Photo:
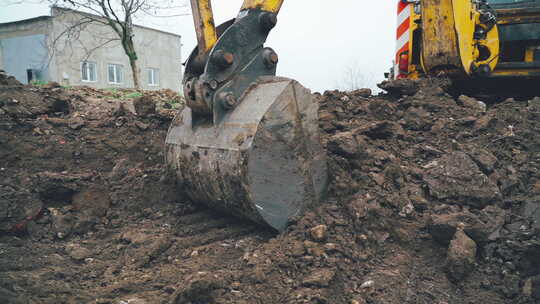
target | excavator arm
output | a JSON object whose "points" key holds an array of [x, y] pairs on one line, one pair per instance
{"points": [[205, 28], [247, 142], [272, 6], [204, 19]]}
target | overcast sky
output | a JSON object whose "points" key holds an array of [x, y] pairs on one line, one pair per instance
{"points": [[317, 41]]}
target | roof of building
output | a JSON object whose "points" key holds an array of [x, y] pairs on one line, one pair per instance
{"points": [[40, 18], [29, 20]]}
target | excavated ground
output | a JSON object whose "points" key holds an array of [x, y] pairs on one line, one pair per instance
{"points": [[433, 199]]}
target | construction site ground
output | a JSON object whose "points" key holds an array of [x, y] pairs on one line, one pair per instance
{"points": [[434, 197]]}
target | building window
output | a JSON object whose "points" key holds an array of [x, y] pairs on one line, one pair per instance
{"points": [[33, 75], [153, 77], [88, 71], [115, 72]]}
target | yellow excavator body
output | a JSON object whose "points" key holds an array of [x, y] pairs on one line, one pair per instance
{"points": [[439, 40], [463, 39]]}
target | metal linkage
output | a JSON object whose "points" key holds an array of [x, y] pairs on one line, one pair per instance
{"points": [[214, 84]]}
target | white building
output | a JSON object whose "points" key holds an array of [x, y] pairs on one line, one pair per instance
{"points": [[43, 48]]}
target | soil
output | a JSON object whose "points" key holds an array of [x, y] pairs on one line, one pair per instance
{"points": [[434, 198]]}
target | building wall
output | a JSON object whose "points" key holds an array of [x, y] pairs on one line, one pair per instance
{"points": [[23, 46], [94, 43]]}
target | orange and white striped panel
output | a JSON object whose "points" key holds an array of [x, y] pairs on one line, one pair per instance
{"points": [[403, 33]]}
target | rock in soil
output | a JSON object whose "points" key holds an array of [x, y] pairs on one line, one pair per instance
{"points": [[461, 256], [455, 178], [400, 87], [319, 278], [318, 233], [482, 225], [92, 201], [361, 92], [197, 291], [78, 253], [531, 287], [17, 207], [472, 103]]}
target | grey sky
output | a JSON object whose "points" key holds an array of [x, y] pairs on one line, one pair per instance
{"points": [[316, 40]]}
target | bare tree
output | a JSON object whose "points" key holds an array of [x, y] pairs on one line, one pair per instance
{"points": [[356, 77], [117, 15]]}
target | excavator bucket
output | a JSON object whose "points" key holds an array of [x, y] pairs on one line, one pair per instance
{"points": [[262, 161], [247, 142]]}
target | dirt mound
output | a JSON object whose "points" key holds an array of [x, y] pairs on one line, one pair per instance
{"points": [[433, 199], [7, 80]]}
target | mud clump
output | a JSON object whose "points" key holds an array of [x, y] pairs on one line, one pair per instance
{"points": [[144, 105], [416, 178]]}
